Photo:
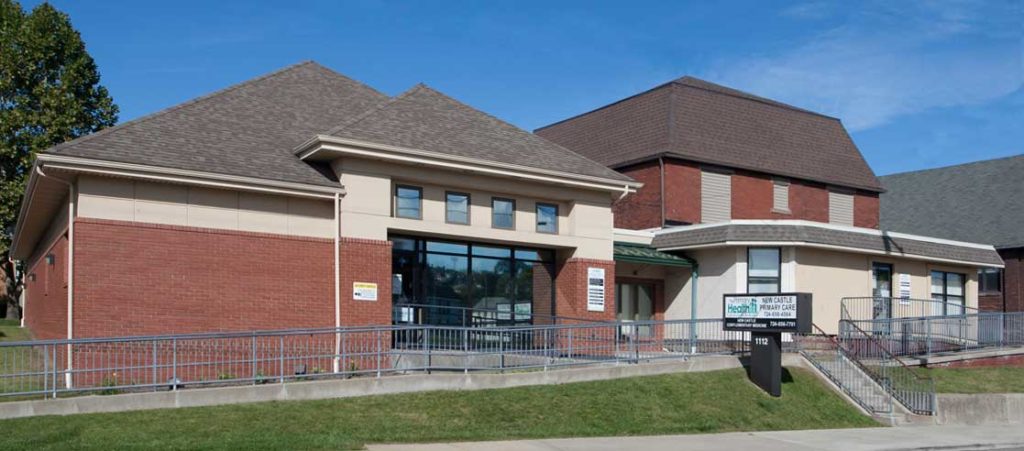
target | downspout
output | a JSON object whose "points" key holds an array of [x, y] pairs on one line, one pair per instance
{"points": [[661, 197], [693, 308], [337, 282], [71, 269]]}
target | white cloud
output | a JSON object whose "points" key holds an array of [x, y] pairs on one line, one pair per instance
{"points": [[886, 61]]}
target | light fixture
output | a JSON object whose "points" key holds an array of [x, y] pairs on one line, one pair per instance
{"points": [[50, 258]]}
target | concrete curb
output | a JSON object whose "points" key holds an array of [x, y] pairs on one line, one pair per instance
{"points": [[344, 388], [981, 409]]}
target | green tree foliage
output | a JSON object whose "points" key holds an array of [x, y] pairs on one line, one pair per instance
{"points": [[49, 93]]}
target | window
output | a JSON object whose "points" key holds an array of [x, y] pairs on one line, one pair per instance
{"points": [[456, 208], [503, 213], [547, 218], [434, 282], [715, 196], [408, 202], [763, 270], [948, 292], [840, 207], [780, 196], [990, 280]]}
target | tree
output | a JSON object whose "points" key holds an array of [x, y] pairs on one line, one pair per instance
{"points": [[49, 93]]}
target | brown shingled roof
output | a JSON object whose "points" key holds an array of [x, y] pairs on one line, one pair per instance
{"points": [[425, 119], [700, 121]]}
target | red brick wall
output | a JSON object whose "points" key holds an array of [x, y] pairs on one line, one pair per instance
{"points": [[641, 210], [46, 298], [865, 210], [571, 289], [142, 279], [1013, 279], [752, 198], [682, 191], [365, 261], [807, 201]]}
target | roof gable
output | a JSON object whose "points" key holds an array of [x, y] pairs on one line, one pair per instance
{"points": [[704, 122], [981, 202], [425, 119], [248, 129]]}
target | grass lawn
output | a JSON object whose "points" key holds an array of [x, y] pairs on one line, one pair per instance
{"points": [[1005, 379], [716, 401], [9, 331]]}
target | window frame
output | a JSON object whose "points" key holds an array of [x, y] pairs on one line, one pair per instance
{"points": [[983, 288], [536, 211], [504, 199], [777, 278], [419, 208], [469, 205], [945, 290]]}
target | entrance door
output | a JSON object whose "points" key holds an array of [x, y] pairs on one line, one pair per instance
{"points": [[881, 305], [634, 302]]}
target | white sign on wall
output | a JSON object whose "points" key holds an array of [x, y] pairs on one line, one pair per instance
{"points": [[595, 289], [904, 289], [364, 291]]}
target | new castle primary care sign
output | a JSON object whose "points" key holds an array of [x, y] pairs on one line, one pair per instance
{"points": [[766, 317], [784, 312]]}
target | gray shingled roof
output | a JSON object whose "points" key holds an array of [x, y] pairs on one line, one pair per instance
{"points": [[729, 232], [425, 119], [248, 129], [981, 202], [700, 121]]}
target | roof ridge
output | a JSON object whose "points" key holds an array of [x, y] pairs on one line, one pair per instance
{"points": [[739, 94], [426, 88], [958, 165], [509, 124], [380, 106], [191, 102]]}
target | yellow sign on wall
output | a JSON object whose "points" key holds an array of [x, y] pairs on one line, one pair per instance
{"points": [[364, 291]]}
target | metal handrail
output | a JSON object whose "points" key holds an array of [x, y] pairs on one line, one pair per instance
{"points": [[887, 383], [905, 307]]}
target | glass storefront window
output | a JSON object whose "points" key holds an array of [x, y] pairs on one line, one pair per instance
{"points": [[454, 283]]}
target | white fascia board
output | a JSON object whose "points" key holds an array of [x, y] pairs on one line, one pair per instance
{"points": [[821, 225], [855, 250], [30, 189], [188, 177], [341, 146]]}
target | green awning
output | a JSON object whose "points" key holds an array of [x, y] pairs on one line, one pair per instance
{"points": [[639, 253]]}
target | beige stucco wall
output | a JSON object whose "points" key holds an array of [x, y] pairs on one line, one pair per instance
{"points": [[585, 218], [164, 203], [832, 275], [829, 275]]}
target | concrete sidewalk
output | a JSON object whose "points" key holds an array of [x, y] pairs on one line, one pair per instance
{"points": [[1003, 437]]}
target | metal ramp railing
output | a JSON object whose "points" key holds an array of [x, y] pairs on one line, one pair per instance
{"points": [[865, 369]]}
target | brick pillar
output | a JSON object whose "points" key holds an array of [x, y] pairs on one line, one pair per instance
{"points": [[365, 261], [571, 284]]}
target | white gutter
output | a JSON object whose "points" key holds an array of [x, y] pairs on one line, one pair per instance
{"points": [[326, 143], [71, 269], [854, 250], [337, 282], [186, 176]]}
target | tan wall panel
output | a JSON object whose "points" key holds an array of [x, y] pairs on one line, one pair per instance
{"points": [[262, 213], [212, 208], [106, 198], [161, 203], [366, 208]]}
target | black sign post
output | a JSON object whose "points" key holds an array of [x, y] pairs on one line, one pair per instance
{"points": [[766, 317]]}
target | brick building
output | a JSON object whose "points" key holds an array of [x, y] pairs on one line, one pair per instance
{"points": [[981, 202], [306, 199], [763, 197]]}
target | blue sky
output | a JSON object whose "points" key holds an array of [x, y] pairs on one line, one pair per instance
{"points": [[918, 84]]}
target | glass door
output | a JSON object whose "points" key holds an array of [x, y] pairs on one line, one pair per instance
{"points": [[881, 290], [634, 302]]}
